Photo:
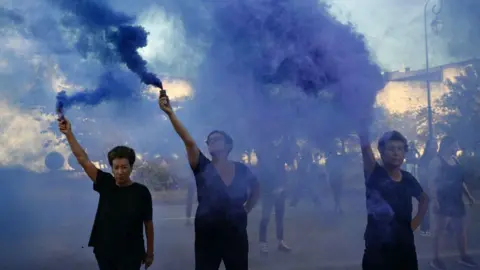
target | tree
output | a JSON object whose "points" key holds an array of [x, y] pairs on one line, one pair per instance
{"points": [[461, 109]]}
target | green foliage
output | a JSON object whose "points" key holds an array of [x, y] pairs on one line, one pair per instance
{"points": [[461, 119], [160, 175], [461, 109]]}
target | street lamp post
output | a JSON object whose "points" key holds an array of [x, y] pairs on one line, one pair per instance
{"points": [[436, 23]]}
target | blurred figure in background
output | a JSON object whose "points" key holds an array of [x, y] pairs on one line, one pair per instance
{"points": [[306, 182], [334, 166], [447, 187], [429, 153], [411, 159], [273, 182]]}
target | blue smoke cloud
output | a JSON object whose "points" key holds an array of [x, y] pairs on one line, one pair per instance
{"points": [[284, 42], [113, 85], [117, 39], [284, 67], [277, 62]]}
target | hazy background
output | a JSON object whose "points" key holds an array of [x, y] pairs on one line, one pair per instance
{"points": [[215, 81]]}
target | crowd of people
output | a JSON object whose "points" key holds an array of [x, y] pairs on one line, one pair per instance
{"points": [[227, 191]]}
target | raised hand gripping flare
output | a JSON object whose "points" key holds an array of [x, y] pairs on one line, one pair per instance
{"points": [[163, 93], [59, 110]]}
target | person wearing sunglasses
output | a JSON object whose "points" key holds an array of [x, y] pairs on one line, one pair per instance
{"points": [[226, 192]]}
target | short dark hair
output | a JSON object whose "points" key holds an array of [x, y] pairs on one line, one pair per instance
{"points": [[121, 152], [228, 139], [446, 142], [391, 136]]}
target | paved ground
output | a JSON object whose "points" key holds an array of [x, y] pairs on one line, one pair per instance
{"points": [[47, 227]]}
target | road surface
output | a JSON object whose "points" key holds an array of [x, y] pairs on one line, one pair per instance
{"points": [[47, 227]]}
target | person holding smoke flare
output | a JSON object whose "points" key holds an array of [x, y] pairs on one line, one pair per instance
{"points": [[447, 187], [389, 238], [124, 208], [226, 191]]}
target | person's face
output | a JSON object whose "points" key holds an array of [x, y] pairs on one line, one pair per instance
{"points": [[121, 170], [216, 143], [394, 153]]}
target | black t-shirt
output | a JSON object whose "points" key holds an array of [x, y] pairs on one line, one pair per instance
{"points": [[389, 207], [121, 212], [219, 204]]}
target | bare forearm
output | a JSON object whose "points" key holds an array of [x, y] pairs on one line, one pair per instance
{"points": [[367, 153], [253, 198], [180, 129], [421, 212], [422, 207], [150, 236], [77, 149]]}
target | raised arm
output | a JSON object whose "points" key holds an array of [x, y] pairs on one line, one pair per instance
{"points": [[369, 161], [193, 152], [90, 169]]}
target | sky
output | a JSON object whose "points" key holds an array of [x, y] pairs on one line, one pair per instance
{"points": [[39, 59]]}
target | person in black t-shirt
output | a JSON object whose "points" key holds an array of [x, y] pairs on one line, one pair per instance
{"points": [[226, 192], [389, 239], [124, 208]]}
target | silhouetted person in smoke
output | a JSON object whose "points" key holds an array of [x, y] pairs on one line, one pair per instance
{"points": [[429, 153], [305, 184], [273, 186], [334, 165], [447, 187], [226, 191], [124, 208], [389, 238]]}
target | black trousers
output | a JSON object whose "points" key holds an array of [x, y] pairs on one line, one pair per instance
{"points": [[390, 257], [221, 243], [112, 262], [269, 202]]}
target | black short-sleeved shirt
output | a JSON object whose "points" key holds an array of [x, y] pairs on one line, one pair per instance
{"points": [[121, 212], [218, 203], [389, 207]]}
